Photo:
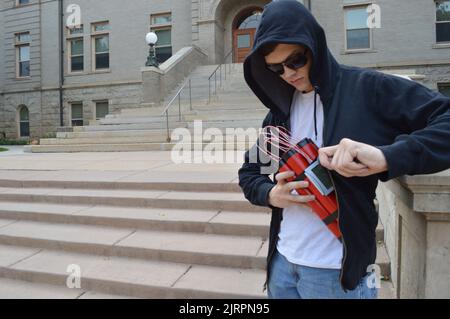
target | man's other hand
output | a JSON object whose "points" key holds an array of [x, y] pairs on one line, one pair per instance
{"points": [[350, 158], [281, 194]]}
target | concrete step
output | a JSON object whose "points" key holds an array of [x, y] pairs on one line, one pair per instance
{"points": [[178, 247], [137, 126], [193, 248], [142, 278], [383, 261], [162, 219], [131, 198], [201, 221], [240, 148], [246, 123], [149, 118], [229, 107], [19, 289], [148, 111], [161, 138], [90, 180], [38, 287], [387, 290], [220, 115], [112, 134], [136, 120], [158, 137]]}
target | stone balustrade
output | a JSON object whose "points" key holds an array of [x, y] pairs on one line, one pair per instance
{"points": [[415, 212]]}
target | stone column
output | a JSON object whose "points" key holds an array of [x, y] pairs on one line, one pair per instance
{"points": [[415, 211]]}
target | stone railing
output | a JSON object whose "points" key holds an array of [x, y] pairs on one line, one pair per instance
{"points": [[415, 212], [157, 83]]}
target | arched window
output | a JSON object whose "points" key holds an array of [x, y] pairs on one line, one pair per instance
{"points": [[251, 21], [24, 121]]}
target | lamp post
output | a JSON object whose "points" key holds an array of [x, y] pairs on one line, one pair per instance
{"points": [[151, 38]]}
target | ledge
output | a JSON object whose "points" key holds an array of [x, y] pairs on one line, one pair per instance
{"points": [[431, 194], [441, 46], [356, 51]]}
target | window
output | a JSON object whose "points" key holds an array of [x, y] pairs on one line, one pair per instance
{"points": [[251, 22], [75, 50], [101, 109], [22, 2], [442, 21], [23, 54], [100, 44], [24, 121], [358, 35], [161, 18], [77, 114], [161, 25], [444, 88]]}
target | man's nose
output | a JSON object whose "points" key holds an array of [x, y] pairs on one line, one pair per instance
{"points": [[288, 72]]}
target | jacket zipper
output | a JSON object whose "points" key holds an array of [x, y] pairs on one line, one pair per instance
{"points": [[339, 212], [342, 235], [285, 125]]}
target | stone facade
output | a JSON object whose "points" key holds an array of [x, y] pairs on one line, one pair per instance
{"points": [[415, 212], [404, 43]]}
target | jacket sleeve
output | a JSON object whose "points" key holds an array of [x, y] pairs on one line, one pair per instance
{"points": [[256, 185], [422, 117]]}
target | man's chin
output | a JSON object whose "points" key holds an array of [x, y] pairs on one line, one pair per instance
{"points": [[302, 88]]}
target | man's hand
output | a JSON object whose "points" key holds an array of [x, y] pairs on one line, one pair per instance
{"points": [[280, 195], [350, 158]]}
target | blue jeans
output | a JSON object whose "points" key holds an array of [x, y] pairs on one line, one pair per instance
{"points": [[291, 281]]}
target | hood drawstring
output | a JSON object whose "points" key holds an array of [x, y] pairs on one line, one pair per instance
{"points": [[316, 89]]}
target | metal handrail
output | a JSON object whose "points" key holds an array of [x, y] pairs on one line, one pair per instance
{"points": [[219, 67], [178, 94], [166, 109]]}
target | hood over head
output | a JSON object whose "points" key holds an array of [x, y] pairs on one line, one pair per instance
{"points": [[288, 21]]}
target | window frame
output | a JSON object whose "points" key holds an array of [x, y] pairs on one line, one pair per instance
{"points": [[436, 22], [94, 36], [20, 121], [71, 37], [441, 85], [80, 103], [18, 4], [153, 15], [354, 6], [18, 45], [161, 27], [95, 111]]}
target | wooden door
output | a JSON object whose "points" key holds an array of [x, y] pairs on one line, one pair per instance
{"points": [[243, 43]]}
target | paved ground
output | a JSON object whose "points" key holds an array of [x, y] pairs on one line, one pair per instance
{"points": [[148, 166], [12, 150]]}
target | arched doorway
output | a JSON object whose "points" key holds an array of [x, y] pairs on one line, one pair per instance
{"points": [[24, 121], [244, 28]]}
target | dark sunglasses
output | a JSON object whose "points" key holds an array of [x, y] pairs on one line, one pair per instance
{"points": [[295, 61]]}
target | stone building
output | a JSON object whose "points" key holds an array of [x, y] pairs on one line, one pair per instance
{"points": [[52, 75]]}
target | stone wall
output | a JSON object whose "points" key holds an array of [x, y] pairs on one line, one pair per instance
{"points": [[415, 212], [157, 83], [44, 111]]}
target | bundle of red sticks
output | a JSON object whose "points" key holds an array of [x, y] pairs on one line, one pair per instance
{"points": [[302, 159]]}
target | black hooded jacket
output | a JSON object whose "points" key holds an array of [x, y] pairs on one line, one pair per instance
{"points": [[407, 121]]}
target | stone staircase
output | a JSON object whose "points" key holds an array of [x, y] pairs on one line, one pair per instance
{"points": [[175, 232], [144, 128], [133, 238]]}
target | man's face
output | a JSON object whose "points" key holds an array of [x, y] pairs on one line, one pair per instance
{"points": [[298, 78]]}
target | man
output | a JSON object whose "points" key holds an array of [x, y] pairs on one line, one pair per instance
{"points": [[371, 127]]}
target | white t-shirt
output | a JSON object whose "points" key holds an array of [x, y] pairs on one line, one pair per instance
{"points": [[304, 239]]}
